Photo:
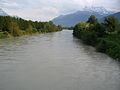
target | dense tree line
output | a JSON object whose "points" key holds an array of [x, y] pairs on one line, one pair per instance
{"points": [[15, 26], [104, 36]]}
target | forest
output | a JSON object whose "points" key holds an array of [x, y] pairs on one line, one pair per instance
{"points": [[15, 26], [104, 36]]}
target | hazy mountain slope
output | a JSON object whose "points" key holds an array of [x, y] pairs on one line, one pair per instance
{"points": [[3, 13], [117, 15], [79, 16]]}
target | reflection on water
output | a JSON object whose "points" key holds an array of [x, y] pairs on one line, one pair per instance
{"points": [[55, 61]]}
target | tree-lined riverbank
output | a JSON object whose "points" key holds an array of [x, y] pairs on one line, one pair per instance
{"points": [[15, 26], [104, 36]]}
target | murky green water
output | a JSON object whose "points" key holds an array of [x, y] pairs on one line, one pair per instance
{"points": [[55, 61]]}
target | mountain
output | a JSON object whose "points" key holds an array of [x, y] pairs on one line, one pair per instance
{"points": [[100, 10], [3, 13], [79, 16], [117, 15]]}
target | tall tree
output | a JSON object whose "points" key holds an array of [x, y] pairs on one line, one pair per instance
{"points": [[111, 23], [14, 29], [92, 19]]}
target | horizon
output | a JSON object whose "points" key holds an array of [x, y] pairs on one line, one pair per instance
{"points": [[43, 11]]}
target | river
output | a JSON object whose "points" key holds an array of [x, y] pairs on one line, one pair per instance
{"points": [[55, 61]]}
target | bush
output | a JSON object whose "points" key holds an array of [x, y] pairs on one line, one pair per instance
{"points": [[15, 26], [104, 36], [89, 37], [112, 48]]}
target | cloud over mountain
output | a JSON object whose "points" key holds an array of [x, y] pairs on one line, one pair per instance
{"points": [[48, 9]]}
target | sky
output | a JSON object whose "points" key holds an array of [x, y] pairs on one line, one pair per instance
{"points": [[45, 10]]}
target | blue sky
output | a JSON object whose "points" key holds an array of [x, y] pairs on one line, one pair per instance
{"points": [[44, 10]]}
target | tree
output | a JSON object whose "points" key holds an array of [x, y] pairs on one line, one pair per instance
{"points": [[99, 29], [29, 30], [14, 29], [16, 26], [92, 19], [111, 23]]}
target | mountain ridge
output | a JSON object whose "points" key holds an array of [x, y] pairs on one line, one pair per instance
{"points": [[117, 15], [80, 16], [3, 13]]}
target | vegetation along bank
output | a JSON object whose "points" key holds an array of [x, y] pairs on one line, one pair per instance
{"points": [[15, 26], [105, 36]]}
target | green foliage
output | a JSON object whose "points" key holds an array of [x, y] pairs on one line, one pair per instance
{"points": [[89, 37], [2, 35], [84, 31], [17, 26], [80, 27], [104, 36], [29, 30], [110, 23], [110, 47], [92, 19], [14, 29]]}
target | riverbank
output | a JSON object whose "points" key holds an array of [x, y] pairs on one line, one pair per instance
{"points": [[9, 35], [103, 36], [14, 26]]}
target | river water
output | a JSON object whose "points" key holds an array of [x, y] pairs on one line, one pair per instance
{"points": [[55, 61]]}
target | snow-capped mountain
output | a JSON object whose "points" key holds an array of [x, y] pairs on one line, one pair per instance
{"points": [[3, 13], [100, 10], [81, 16]]}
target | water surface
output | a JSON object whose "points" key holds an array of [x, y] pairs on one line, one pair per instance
{"points": [[55, 61]]}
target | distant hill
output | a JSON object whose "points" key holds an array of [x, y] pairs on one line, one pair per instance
{"points": [[79, 16], [3, 13], [117, 15]]}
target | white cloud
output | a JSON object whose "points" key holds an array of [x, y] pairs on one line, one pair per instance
{"points": [[48, 9]]}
